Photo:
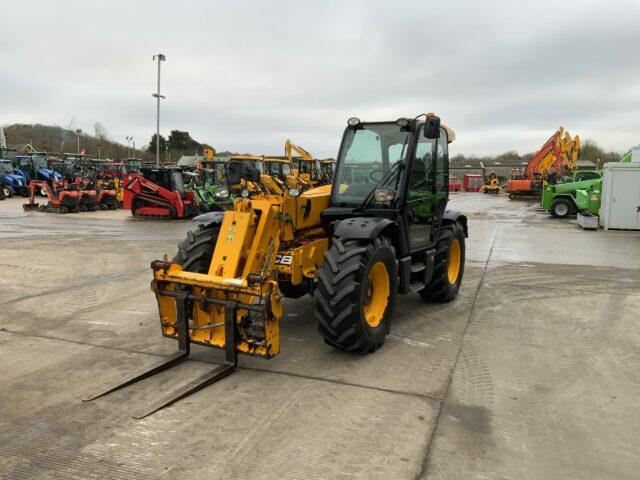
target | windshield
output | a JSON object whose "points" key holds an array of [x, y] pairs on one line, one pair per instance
{"points": [[6, 168], [367, 157], [259, 164], [278, 169], [40, 161]]}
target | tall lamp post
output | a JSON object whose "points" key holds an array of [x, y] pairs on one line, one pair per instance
{"points": [[99, 152], [78, 132], [134, 147], [128, 146], [161, 58]]}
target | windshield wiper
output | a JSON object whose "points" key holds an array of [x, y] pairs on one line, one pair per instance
{"points": [[382, 181]]}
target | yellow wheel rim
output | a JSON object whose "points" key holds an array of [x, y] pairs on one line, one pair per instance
{"points": [[377, 294], [454, 261]]}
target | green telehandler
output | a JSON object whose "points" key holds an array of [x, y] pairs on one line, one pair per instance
{"points": [[580, 195]]}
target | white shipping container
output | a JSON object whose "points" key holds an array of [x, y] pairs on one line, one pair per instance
{"points": [[620, 207]]}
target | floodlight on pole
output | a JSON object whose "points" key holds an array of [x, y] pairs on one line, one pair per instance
{"points": [[78, 132], [158, 96]]}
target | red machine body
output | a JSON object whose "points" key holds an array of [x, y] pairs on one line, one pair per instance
{"points": [[159, 193]]}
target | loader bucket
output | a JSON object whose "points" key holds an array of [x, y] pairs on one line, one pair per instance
{"points": [[30, 207]]}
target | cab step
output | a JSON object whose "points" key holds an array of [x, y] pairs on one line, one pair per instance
{"points": [[418, 267], [416, 286]]}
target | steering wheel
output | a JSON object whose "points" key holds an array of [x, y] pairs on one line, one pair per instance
{"points": [[374, 173]]}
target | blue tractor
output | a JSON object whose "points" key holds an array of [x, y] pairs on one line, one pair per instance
{"points": [[12, 181], [35, 167]]}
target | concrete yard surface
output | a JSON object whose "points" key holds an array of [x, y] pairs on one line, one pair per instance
{"points": [[533, 372]]}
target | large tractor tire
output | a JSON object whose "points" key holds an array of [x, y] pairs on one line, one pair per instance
{"points": [[561, 208], [356, 293], [449, 265], [195, 251]]}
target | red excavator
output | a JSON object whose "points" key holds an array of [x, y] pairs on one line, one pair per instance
{"points": [[159, 192], [557, 157], [62, 199]]}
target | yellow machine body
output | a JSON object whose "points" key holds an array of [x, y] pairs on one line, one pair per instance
{"points": [[263, 240]]}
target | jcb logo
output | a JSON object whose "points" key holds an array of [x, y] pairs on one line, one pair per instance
{"points": [[284, 259], [231, 235]]}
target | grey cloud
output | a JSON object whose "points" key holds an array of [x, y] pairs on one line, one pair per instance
{"points": [[246, 75]]}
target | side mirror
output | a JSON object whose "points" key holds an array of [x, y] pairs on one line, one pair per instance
{"points": [[432, 128]]}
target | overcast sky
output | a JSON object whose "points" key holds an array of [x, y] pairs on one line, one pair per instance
{"points": [[246, 75]]}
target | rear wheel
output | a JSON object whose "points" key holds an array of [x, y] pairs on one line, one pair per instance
{"points": [[356, 293], [560, 208], [449, 265]]}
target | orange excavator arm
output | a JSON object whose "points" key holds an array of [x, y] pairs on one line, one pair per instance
{"points": [[560, 152], [545, 157], [290, 147]]}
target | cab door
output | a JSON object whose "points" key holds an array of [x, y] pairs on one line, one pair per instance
{"points": [[418, 213], [441, 187]]}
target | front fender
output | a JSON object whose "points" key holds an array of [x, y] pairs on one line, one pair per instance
{"points": [[451, 216], [360, 227], [209, 217]]}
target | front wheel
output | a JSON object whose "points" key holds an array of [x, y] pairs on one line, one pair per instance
{"points": [[356, 293], [449, 265], [195, 251], [8, 191], [560, 208]]}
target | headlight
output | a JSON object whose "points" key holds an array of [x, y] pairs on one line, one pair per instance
{"points": [[294, 192], [245, 193], [222, 193]]}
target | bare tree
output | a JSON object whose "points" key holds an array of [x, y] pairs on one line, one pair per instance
{"points": [[100, 131]]}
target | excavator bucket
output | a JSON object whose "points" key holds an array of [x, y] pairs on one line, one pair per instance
{"points": [[31, 206]]}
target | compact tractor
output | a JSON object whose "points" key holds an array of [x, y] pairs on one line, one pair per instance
{"points": [[209, 183], [159, 192], [11, 180], [380, 230], [36, 167]]}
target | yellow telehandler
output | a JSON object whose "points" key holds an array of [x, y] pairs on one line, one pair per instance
{"points": [[380, 230]]}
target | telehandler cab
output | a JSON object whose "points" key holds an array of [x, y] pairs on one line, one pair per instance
{"points": [[380, 230]]}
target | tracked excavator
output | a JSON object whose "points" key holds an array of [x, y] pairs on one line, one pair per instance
{"points": [[381, 229], [557, 157]]}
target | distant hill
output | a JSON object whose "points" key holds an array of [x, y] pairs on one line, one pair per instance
{"points": [[64, 140], [61, 140]]}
